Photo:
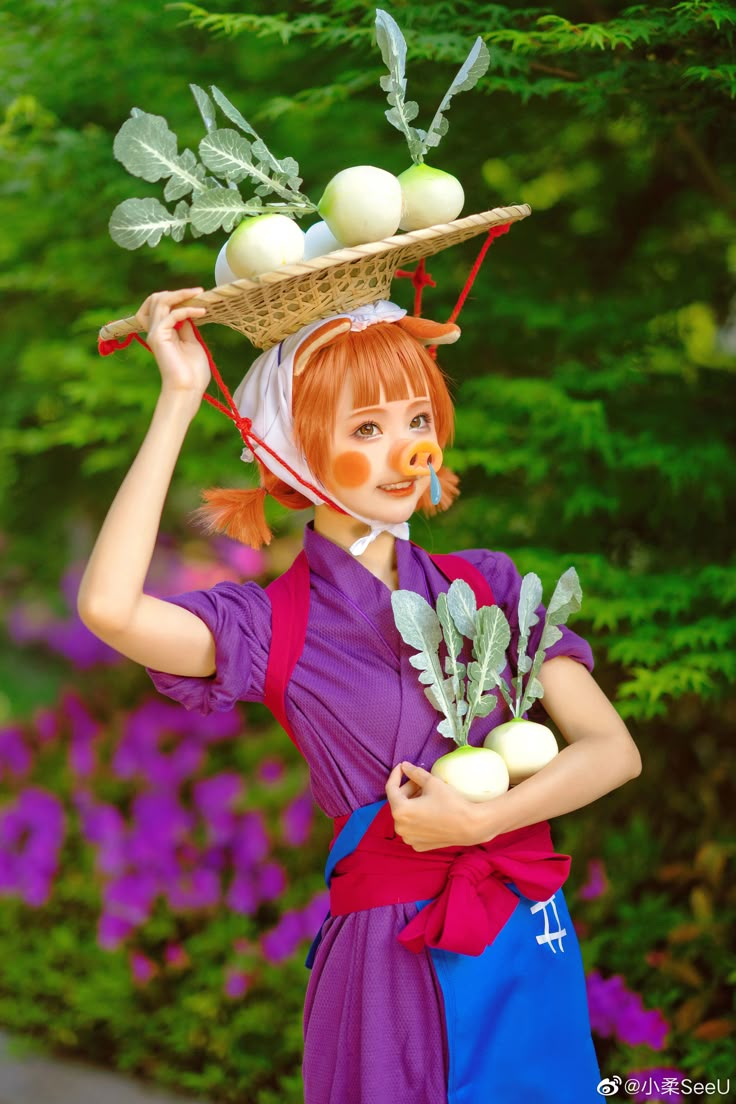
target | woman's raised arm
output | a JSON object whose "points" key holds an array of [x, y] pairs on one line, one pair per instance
{"points": [[111, 601]]}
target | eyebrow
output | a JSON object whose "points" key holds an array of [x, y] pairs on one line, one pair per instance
{"points": [[421, 401]]}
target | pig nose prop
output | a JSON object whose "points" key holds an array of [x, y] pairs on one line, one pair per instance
{"points": [[417, 458], [414, 458]]}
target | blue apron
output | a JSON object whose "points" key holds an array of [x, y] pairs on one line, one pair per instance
{"points": [[516, 1016]]}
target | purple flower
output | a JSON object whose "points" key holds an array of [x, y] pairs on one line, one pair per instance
{"points": [[160, 826], [297, 819], [597, 883], [139, 753], [131, 896], [30, 622], [271, 770], [112, 931], [616, 1010], [31, 836], [46, 723], [73, 640], [250, 841], [270, 881], [104, 827], [193, 889], [15, 756], [640, 1027], [315, 912], [142, 969], [250, 563], [236, 983], [84, 730], [217, 726], [241, 896], [176, 956], [282, 941], [214, 798]]}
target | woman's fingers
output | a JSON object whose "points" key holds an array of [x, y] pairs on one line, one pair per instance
{"points": [[160, 302], [184, 312]]}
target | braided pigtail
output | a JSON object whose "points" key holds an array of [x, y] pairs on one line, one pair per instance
{"points": [[241, 514]]}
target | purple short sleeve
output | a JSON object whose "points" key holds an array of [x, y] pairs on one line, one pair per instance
{"points": [[239, 617], [505, 580]]}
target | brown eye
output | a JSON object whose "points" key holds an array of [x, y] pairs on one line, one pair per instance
{"points": [[366, 430], [424, 424]]}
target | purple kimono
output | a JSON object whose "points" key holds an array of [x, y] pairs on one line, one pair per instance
{"points": [[377, 1023]]}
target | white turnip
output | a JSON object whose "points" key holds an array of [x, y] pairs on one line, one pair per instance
{"points": [[223, 273], [524, 746], [431, 196], [478, 773], [264, 243], [362, 204], [319, 240]]}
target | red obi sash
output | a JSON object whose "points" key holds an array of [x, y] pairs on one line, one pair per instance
{"points": [[471, 900]]}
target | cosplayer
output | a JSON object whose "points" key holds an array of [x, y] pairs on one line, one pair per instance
{"points": [[384, 1021], [447, 970]]}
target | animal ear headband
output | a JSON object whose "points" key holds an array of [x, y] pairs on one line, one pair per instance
{"points": [[422, 330]]}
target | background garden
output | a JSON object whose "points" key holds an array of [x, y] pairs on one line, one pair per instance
{"points": [[160, 872]]}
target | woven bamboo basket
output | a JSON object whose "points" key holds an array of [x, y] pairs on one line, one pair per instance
{"points": [[276, 304]]}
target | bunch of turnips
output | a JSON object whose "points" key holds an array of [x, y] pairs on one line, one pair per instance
{"points": [[512, 751], [360, 204]]}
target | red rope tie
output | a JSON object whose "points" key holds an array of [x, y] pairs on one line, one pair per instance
{"points": [[112, 344], [494, 232], [420, 278]]}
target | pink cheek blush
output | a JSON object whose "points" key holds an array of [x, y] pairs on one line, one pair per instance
{"points": [[351, 469]]}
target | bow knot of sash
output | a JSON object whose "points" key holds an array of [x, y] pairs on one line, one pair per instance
{"points": [[475, 902], [468, 898]]}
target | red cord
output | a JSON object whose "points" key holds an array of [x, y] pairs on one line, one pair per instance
{"points": [[494, 232], [106, 347], [420, 278]]}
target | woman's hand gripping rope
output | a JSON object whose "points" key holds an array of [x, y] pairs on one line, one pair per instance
{"points": [[428, 813], [180, 357]]}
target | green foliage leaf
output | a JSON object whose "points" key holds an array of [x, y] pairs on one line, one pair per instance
{"points": [[392, 45], [285, 171], [148, 149], [137, 222], [416, 621], [221, 209], [453, 642], [472, 69], [206, 107], [462, 607], [233, 158], [492, 638]]}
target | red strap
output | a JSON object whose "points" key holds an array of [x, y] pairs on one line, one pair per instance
{"points": [[289, 596], [455, 567]]}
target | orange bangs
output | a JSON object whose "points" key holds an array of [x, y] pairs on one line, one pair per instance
{"points": [[385, 364]]}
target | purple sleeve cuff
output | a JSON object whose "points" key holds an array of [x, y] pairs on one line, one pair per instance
{"points": [[239, 617]]}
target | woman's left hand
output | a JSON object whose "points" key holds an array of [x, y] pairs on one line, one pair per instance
{"points": [[428, 813]]}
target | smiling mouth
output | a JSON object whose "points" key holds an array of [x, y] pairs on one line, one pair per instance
{"points": [[405, 487]]}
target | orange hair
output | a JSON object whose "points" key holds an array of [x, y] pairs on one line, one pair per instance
{"points": [[382, 360]]}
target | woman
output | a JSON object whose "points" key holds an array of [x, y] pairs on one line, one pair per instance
{"points": [[385, 1020]]}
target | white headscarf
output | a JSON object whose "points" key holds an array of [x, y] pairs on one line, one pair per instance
{"points": [[265, 397]]}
